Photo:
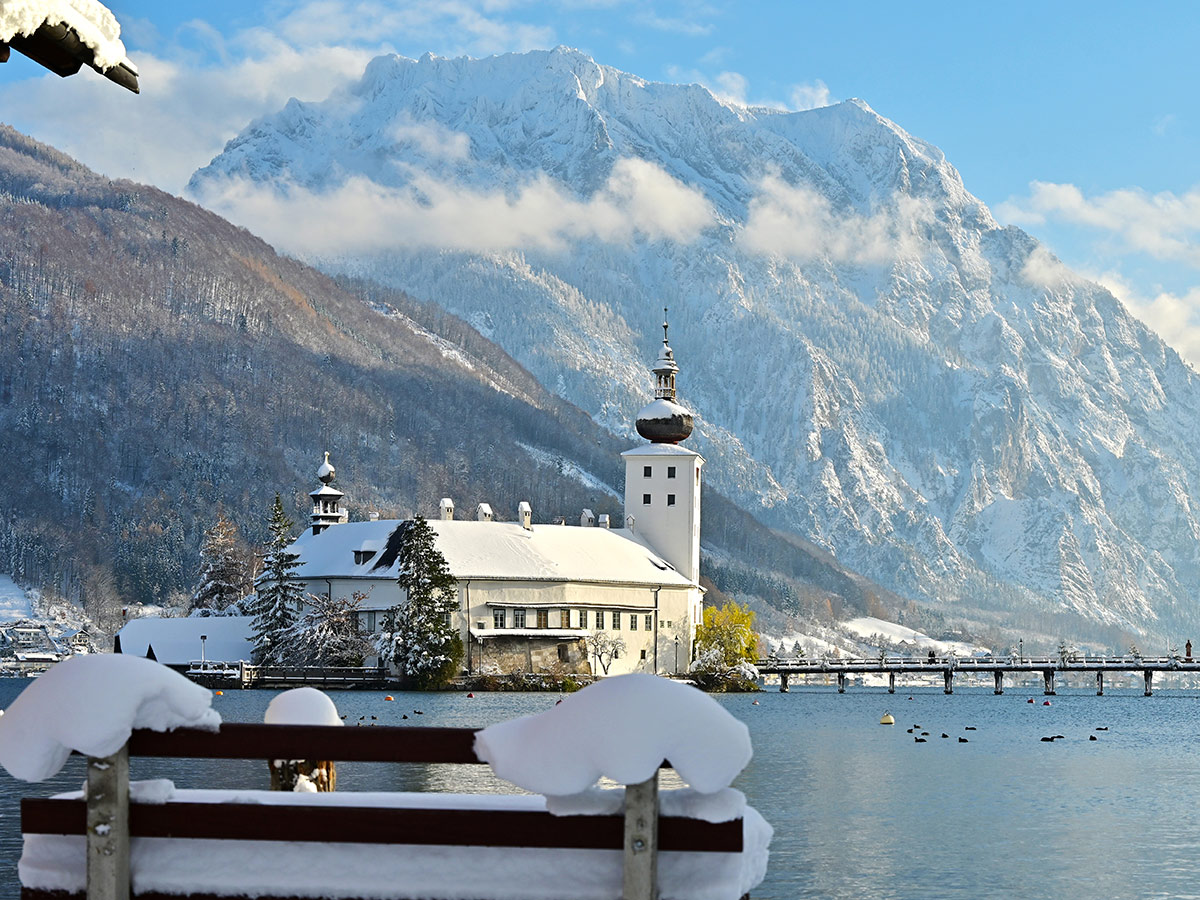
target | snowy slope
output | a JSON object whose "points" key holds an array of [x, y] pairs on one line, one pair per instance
{"points": [[874, 362], [14, 602]]}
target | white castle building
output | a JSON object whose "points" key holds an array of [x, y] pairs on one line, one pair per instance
{"points": [[531, 594]]}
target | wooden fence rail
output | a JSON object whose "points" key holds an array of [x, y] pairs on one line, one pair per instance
{"points": [[109, 820]]}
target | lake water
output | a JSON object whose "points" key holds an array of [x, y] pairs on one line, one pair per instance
{"points": [[861, 810]]}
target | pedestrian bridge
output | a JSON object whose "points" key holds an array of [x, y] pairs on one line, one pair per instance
{"points": [[998, 666]]}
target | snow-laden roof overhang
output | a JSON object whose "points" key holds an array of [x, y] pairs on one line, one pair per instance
{"points": [[497, 551], [64, 35]]}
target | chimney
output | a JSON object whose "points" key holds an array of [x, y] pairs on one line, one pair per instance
{"points": [[587, 519], [629, 522], [526, 513], [447, 509], [483, 512], [605, 522]]}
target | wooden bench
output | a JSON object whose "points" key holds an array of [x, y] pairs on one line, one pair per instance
{"points": [[109, 820]]}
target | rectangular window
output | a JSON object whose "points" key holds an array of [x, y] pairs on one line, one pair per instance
{"points": [[649, 621], [583, 618], [645, 499], [670, 471], [633, 621], [599, 619], [670, 499], [446, 619], [564, 619], [564, 653], [645, 471], [643, 654], [518, 618], [543, 618], [498, 618], [616, 621]]}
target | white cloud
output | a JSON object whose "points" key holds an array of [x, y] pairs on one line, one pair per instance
{"points": [[1043, 269], [1174, 317], [1164, 226], [432, 139], [201, 87], [638, 201], [795, 222], [810, 95], [688, 27]]}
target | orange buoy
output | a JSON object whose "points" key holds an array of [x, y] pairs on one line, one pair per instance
{"points": [[389, 697], [220, 693]]}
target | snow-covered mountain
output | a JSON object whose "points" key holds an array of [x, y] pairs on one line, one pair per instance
{"points": [[874, 362]]}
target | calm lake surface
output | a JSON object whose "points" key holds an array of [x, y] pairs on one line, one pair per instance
{"points": [[861, 810]]}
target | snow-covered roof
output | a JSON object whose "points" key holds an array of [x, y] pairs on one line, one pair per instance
{"points": [[177, 641], [661, 450], [496, 551]]}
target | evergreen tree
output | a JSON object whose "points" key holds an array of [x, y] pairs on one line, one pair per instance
{"points": [[277, 605], [420, 637], [327, 634], [224, 575]]}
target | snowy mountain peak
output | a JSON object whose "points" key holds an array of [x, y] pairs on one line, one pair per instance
{"points": [[931, 397]]}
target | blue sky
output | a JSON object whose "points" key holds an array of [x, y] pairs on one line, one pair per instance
{"points": [[1077, 121]]}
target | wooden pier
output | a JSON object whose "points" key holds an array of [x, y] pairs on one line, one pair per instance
{"points": [[240, 674], [947, 666]]}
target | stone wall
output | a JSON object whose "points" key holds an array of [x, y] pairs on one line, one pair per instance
{"points": [[567, 656]]}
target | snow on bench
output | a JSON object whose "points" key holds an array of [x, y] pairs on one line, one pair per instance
{"points": [[575, 840]]}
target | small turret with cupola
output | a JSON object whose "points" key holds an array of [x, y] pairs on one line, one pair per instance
{"points": [[326, 499]]}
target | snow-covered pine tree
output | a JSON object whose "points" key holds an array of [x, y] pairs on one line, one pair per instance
{"points": [[421, 638], [277, 605], [224, 575], [327, 633]]}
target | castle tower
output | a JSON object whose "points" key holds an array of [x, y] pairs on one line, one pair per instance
{"points": [[662, 479], [326, 499]]}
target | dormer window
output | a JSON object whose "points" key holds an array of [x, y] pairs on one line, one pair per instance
{"points": [[362, 556]]}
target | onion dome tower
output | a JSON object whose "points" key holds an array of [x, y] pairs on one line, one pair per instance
{"points": [[326, 499], [664, 421], [662, 479]]}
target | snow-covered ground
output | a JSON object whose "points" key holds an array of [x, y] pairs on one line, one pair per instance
{"points": [[861, 637], [868, 626], [15, 604]]}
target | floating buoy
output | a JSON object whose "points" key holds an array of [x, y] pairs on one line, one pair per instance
{"points": [[755, 703], [220, 693], [1030, 700], [470, 695], [887, 719], [1045, 703], [389, 697]]}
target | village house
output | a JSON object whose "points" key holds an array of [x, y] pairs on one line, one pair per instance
{"points": [[530, 595]]}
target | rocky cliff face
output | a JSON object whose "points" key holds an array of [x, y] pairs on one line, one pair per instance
{"points": [[875, 364]]}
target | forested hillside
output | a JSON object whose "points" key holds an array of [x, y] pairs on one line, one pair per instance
{"points": [[160, 364]]}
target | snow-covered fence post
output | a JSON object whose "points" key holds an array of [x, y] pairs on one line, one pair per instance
{"points": [[108, 826], [641, 840]]}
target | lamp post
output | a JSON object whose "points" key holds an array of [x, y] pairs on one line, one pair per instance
{"points": [[203, 638], [676, 655]]}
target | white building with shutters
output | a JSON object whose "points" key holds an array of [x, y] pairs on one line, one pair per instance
{"points": [[530, 594]]}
